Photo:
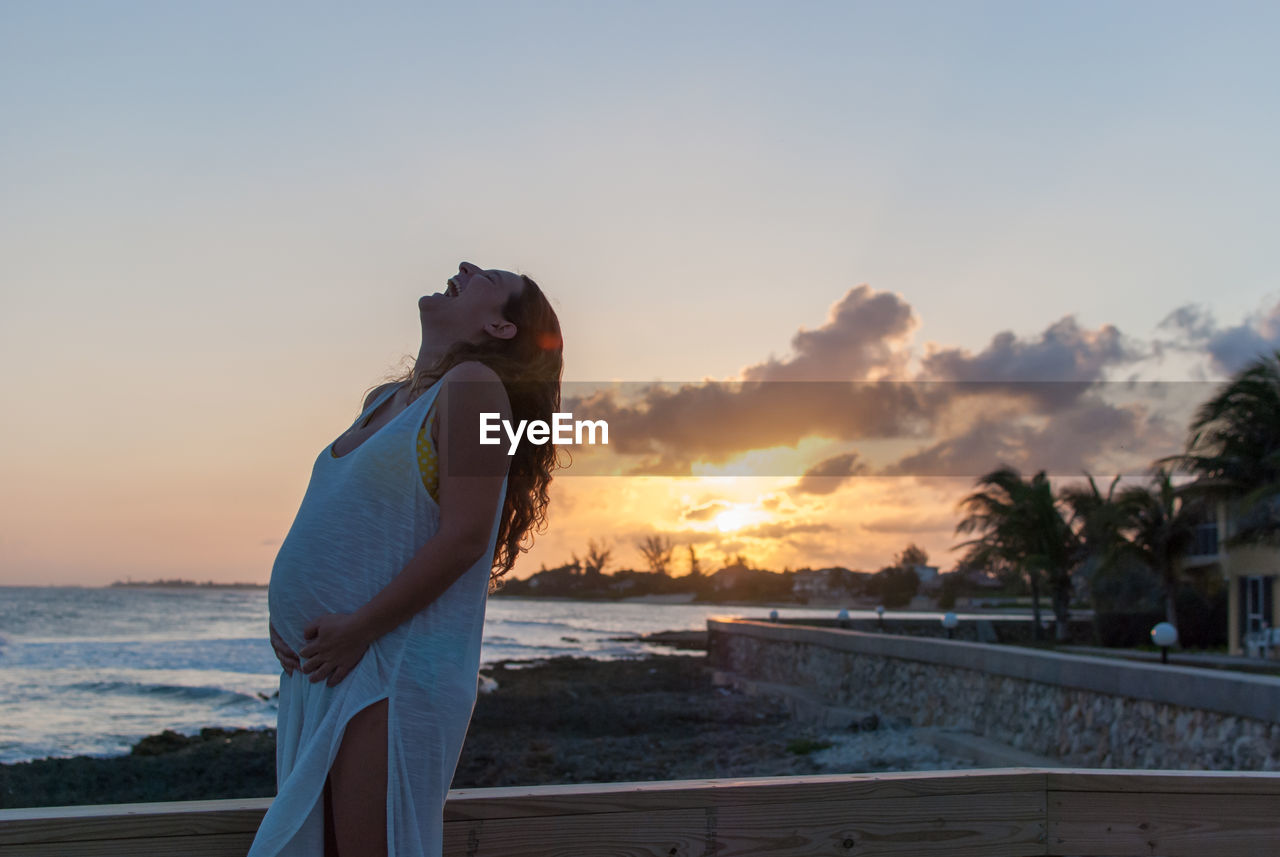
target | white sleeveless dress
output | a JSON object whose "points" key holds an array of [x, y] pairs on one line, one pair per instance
{"points": [[363, 517]]}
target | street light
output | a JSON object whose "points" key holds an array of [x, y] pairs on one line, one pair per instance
{"points": [[950, 621], [880, 615], [1164, 635]]}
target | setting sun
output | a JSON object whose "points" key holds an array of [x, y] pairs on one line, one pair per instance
{"points": [[736, 518]]}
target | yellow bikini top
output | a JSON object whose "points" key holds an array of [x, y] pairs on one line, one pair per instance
{"points": [[427, 463]]}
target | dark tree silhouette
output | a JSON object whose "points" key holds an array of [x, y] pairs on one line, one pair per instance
{"points": [[657, 552]]}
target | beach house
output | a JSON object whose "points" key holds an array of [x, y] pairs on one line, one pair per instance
{"points": [[1250, 572]]}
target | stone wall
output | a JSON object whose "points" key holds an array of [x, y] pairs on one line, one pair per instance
{"points": [[1085, 711]]}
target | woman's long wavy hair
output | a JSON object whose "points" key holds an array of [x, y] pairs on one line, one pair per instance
{"points": [[530, 365]]}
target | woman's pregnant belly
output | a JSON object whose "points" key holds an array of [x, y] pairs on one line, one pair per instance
{"points": [[308, 581]]}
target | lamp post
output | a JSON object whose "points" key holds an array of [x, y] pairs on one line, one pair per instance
{"points": [[880, 616], [1164, 635], [950, 621]]}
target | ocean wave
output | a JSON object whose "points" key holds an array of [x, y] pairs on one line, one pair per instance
{"points": [[141, 638], [517, 646], [545, 626], [542, 647], [206, 694]]}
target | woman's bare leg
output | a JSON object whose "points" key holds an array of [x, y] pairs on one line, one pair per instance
{"points": [[358, 781], [330, 843]]}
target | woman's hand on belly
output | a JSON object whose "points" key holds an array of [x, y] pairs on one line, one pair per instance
{"points": [[288, 657], [336, 643]]}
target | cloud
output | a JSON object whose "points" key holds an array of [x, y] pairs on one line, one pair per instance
{"points": [[1230, 349], [729, 547], [704, 512], [1030, 401], [782, 529], [910, 522], [827, 475], [713, 421], [1092, 435], [1054, 367], [863, 339]]}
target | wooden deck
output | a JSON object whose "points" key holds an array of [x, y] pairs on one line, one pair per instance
{"points": [[1005, 812]]}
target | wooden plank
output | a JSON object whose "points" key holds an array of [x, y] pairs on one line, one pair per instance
{"points": [[1124, 824], [967, 825], [1171, 782], [578, 799], [66, 824], [206, 845], [997, 812], [19, 827], [155, 807]]}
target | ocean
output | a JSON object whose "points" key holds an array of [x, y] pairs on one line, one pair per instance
{"points": [[89, 671]]}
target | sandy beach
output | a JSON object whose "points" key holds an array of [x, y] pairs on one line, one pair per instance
{"points": [[563, 720]]}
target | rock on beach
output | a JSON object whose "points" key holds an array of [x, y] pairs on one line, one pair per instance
{"points": [[562, 720]]}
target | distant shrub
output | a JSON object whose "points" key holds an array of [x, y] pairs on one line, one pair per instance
{"points": [[894, 585]]}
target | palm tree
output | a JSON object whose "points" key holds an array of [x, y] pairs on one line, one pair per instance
{"points": [[1020, 524], [1234, 449], [1097, 521], [1051, 545], [1161, 524], [990, 513]]}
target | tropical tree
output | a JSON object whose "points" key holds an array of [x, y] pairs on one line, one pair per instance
{"points": [[1051, 545], [992, 512], [695, 565], [1234, 449], [598, 556], [657, 552], [1161, 525], [895, 585], [1019, 523], [1098, 522], [911, 556]]}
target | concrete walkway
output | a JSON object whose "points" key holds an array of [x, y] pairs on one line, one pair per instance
{"points": [[1186, 659]]}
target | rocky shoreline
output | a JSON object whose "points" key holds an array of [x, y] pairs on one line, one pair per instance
{"points": [[563, 720]]}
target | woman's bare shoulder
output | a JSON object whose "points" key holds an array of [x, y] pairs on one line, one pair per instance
{"points": [[488, 396]]}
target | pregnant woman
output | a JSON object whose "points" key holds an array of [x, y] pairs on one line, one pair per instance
{"points": [[378, 593]]}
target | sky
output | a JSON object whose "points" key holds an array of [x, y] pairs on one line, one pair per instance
{"points": [[216, 221]]}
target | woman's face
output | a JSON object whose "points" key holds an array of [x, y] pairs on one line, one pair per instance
{"points": [[470, 307]]}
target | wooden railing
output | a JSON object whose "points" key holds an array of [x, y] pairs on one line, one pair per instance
{"points": [[1007, 812]]}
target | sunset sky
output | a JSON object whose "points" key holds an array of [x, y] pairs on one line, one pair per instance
{"points": [[216, 221]]}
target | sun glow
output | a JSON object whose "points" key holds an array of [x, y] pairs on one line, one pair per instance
{"points": [[736, 518]]}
